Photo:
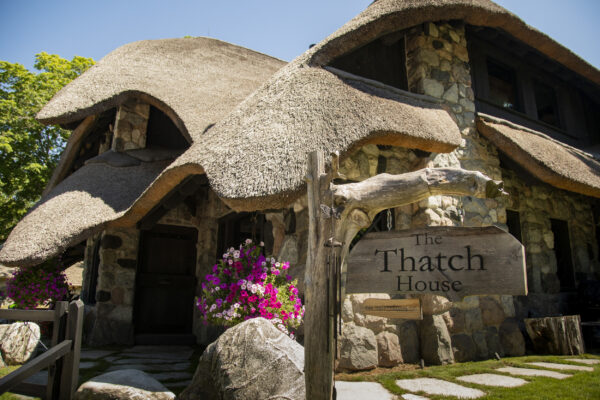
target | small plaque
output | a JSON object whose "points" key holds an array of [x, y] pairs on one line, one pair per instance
{"points": [[398, 309]]}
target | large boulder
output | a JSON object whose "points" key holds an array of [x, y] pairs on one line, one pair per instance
{"points": [[123, 385], [251, 361], [358, 348], [408, 336], [388, 349], [19, 342], [436, 346]]}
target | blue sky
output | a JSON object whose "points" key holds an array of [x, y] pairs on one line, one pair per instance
{"points": [[283, 29]]}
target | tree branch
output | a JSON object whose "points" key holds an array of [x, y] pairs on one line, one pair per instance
{"points": [[387, 191]]}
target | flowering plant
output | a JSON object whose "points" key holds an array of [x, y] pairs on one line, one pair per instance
{"points": [[245, 284], [31, 287]]}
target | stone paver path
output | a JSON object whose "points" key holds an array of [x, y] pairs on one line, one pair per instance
{"points": [[410, 396], [170, 365], [566, 367], [439, 387], [361, 391], [533, 372], [584, 361], [492, 380]]}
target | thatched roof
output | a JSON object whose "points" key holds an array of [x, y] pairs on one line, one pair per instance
{"points": [[547, 159], [256, 157], [387, 16], [255, 154], [196, 81], [81, 205]]}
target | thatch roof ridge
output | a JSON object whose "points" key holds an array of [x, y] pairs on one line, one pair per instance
{"points": [[549, 160], [387, 16], [196, 81]]}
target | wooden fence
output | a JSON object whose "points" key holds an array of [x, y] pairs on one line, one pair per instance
{"points": [[61, 359]]}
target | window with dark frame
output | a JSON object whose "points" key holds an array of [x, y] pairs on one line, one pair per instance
{"points": [[562, 250], [234, 228], [383, 60], [546, 104], [503, 89]]}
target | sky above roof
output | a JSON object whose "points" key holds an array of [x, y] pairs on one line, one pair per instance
{"points": [[282, 29]]}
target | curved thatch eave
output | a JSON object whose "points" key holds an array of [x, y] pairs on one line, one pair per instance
{"points": [[196, 81], [548, 160], [256, 158], [80, 206], [387, 16]]}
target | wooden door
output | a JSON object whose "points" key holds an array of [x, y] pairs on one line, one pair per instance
{"points": [[165, 282]]}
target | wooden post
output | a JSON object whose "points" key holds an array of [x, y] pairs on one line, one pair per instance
{"points": [[70, 370], [59, 327], [318, 326]]}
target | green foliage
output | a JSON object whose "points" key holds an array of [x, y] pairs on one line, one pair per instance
{"points": [[29, 150]]}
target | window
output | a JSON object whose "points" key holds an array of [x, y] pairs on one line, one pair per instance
{"points": [[234, 228], [562, 249], [383, 60], [162, 132], [503, 85], [513, 220], [516, 82], [546, 104]]}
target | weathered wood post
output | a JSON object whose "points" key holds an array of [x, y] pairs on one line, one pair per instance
{"points": [[70, 369], [318, 341]]}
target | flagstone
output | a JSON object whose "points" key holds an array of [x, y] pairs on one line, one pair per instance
{"points": [[151, 367], [144, 361], [584, 361], [439, 387], [94, 354], [410, 396], [533, 372], [561, 366], [87, 364], [492, 380], [361, 391]]}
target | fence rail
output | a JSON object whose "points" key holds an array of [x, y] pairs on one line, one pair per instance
{"points": [[62, 359]]}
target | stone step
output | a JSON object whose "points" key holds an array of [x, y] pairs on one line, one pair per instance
{"points": [[566, 367], [588, 361], [439, 387], [533, 372], [492, 380], [361, 391]]}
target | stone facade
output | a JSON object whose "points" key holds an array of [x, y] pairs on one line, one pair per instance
{"points": [[130, 126]]}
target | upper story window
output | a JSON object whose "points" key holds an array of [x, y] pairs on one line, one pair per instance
{"points": [[516, 82], [503, 89], [546, 104], [383, 60]]}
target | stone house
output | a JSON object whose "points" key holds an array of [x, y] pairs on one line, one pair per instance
{"points": [[183, 147]]}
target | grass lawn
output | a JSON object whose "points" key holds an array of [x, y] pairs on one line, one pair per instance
{"points": [[581, 385]]}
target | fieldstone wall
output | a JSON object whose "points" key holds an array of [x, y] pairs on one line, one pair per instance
{"points": [[115, 288], [536, 203], [130, 125]]}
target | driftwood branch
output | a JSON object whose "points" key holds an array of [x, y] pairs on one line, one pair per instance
{"points": [[387, 191]]}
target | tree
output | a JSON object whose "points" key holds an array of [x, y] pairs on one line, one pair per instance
{"points": [[29, 151]]}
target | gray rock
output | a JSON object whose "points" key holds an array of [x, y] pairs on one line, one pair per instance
{"points": [[19, 342], [492, 313], [464, 348], [252, 360], [492, 340], [374, 323], [124, 384], [432, 88], [436, 346], [388, 349], [358, 348], [347, 313], [511, 338], [408, 336], [480, 344]]}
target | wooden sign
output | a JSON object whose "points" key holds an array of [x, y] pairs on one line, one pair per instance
{"points": [[448, 261], [401, 309]]}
